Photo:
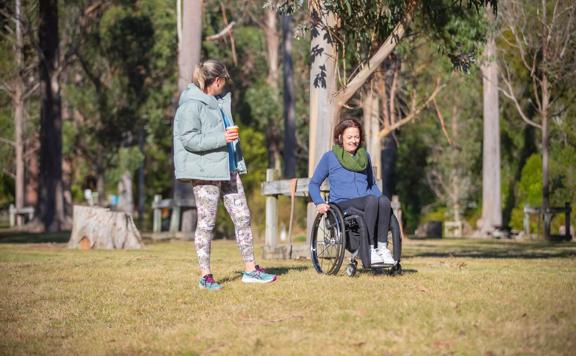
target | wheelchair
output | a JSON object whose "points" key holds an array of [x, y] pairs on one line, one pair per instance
{"points": [[338, 231]]}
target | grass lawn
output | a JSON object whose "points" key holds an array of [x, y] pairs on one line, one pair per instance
{"points": [[455, 297]]}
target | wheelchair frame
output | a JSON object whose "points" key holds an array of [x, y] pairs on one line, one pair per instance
{"points": [[330, 240]]}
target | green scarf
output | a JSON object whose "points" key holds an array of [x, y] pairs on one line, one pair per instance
{"points": [[355, 163]]}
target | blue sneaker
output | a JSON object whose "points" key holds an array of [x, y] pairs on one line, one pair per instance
{"points": [[259, 275], [208, 282]]}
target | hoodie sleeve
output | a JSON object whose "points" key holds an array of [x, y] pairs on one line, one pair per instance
{"points": [[318, 178], [189, 130]]}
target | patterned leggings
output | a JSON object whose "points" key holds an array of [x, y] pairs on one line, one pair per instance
{"points": [[207, 194]]}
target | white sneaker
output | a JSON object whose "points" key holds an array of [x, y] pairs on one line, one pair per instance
{"points": [[375, 257], [385, 254]]}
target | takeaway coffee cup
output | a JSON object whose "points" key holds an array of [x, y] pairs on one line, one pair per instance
{"points": [[232, 129]]}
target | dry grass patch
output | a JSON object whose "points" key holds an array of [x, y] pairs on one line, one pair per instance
{"points": [[457, 296]]}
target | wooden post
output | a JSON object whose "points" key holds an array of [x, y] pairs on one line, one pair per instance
{"points": [[12, 212], [175, 218], [157, 220], [271, 238]]}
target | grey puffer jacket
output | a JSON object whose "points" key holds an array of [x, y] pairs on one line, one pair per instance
{"points": [[200, 150]]}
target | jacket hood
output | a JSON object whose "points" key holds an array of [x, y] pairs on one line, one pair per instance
{"points": [[192, 92]]}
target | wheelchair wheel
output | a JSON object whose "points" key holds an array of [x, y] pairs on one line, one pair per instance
{"points": [[395, 239], [327, 244]]}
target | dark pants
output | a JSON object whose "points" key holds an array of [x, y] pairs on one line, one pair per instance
{"points": [[377, 213]]}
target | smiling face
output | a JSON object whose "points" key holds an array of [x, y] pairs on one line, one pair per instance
{"points": [[351, 139]]}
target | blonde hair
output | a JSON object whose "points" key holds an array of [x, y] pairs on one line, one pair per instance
{"points": [[205, 73]]}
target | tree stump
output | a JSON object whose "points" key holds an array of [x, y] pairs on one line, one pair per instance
{"points": [[96, 227]]}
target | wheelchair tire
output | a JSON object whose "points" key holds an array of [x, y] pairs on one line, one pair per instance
{"points": [[395, 239], [328, 240]]}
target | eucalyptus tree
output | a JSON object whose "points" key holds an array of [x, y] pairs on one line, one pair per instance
{"points": [[543, 36], [369, 32], [19, 82], [491, 187]]}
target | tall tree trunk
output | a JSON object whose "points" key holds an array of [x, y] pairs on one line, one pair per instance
{"points": [[371, 108], [272, 44], [272, 47], [141, 178], [189, 40], [51, 202], [457, 171], [18, 104], [544, 112], [323, 108], [189, 47], [491, 199], [545, 156], [126, 203], [289, 101]]}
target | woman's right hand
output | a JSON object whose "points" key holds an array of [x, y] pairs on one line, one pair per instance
{"points": [[230, 136], [322, 208]]}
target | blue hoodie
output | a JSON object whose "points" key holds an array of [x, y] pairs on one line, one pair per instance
{"points": [[344, 184]]}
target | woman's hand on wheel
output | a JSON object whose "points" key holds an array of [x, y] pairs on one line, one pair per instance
{"points": [[322, 208]]}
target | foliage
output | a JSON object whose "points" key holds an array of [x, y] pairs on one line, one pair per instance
{"points": [[529, 189], [264, 106], [437, 168], [457, 28]]}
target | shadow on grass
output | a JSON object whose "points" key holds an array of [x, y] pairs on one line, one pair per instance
{"points": [[284, 270], [23, 237], [385, 272], [273, 270], [493, 249]]}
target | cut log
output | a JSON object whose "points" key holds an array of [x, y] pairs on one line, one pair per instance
{"points": [[96, 227]]}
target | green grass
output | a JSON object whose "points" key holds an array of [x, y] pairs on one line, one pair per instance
{"points": [[456, 296]]}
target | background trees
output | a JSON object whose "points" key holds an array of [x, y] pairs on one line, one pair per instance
{"points": [[412, 74], [542, 35]]}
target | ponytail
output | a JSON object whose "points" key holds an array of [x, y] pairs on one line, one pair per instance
{"points": [[198, 77], [205, 73]]}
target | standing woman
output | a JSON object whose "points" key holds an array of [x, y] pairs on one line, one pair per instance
{"points": [[349, 171], [208, 155]]}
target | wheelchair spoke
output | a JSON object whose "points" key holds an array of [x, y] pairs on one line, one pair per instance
{"points": [[328, 242]]}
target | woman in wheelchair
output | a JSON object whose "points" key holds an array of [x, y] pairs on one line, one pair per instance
{"points": [[353, 188]]}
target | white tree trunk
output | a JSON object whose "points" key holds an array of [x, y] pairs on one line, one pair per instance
{"points": [[372, 129], [18, 102], [272, 43], [100, 228], [491, 200], [126, 203], [289, 100], [272, 131], [322, 88], [190, 41], [189, 46]]}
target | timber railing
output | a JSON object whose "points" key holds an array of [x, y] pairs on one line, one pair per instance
{"points": [[537, 211], [175, 209], [273, 189]]}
